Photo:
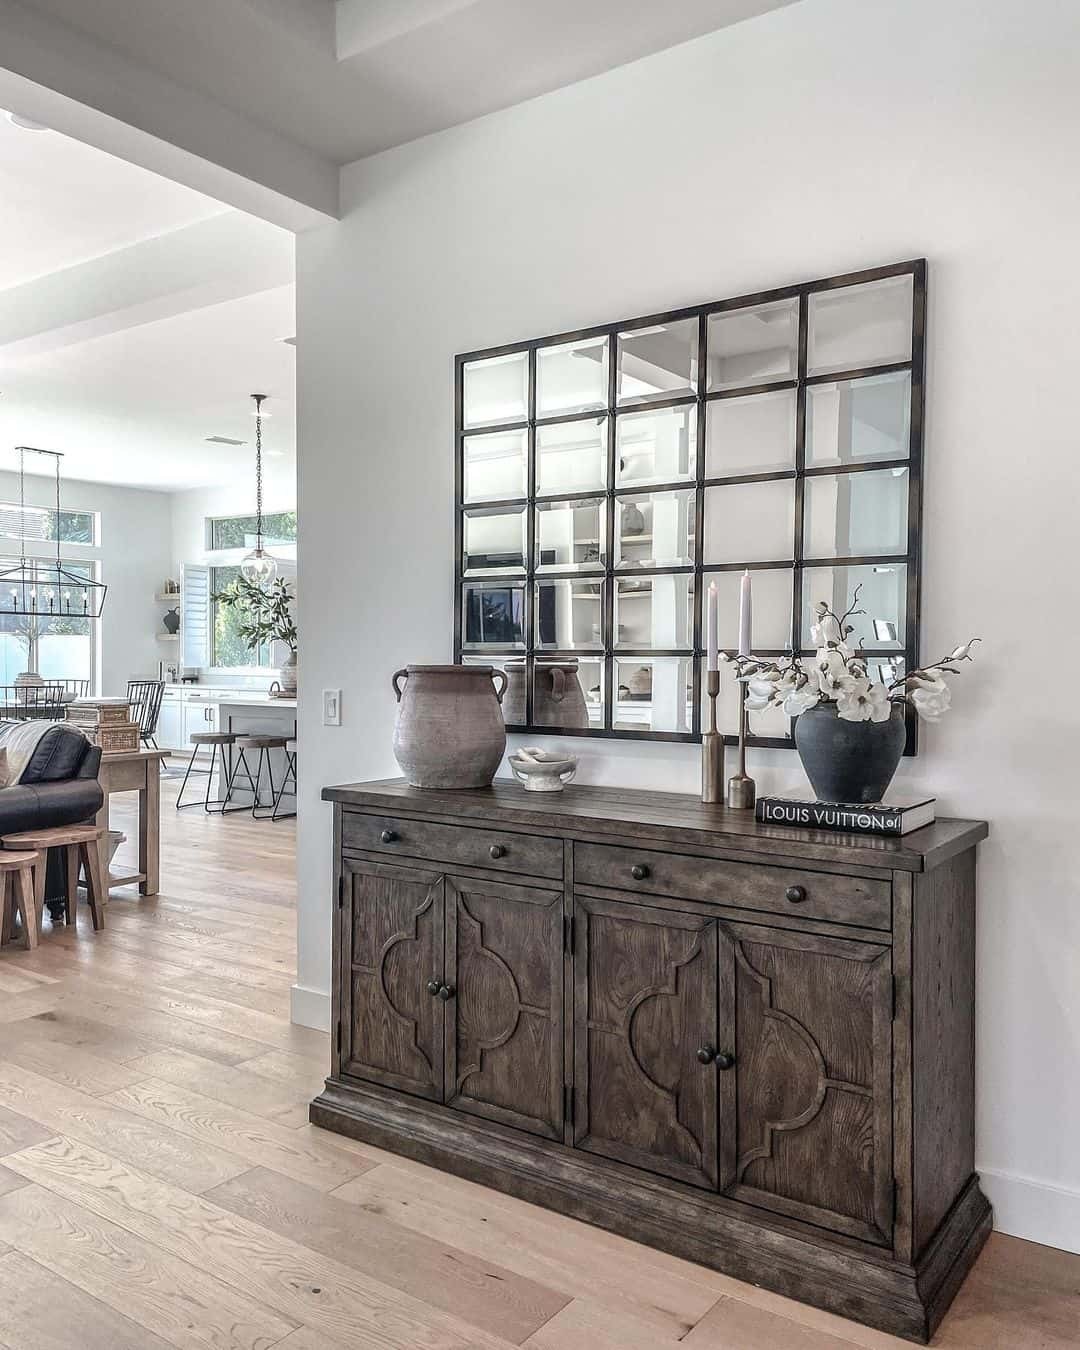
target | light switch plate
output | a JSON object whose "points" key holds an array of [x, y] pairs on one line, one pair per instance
{"points": [[331, 707]]}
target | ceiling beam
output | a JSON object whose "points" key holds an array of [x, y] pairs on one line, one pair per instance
{"points": [[85, 89], [363, 25], [223, 258]]}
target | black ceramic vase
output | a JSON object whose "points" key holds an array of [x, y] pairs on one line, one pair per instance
{"points": [[849, 761]]}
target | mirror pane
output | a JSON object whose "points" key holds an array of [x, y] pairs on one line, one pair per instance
{"points": [[569, 615], [567, 694], [656, 447], [770, 722], [654, 611], [750, 522], [848, 515], [758, 345], [658, 362], [497, 390], [853, 420], [655, 694], [572, 377], [493, 614], [496, 466], [494, 539], [883, 625], [655, 529], [502, 663], [570, 536], [755, 434], [572, 457], [858, 326], [773, 591]]}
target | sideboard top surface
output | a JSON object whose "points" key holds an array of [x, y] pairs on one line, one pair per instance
{"points": [[675, 817]]}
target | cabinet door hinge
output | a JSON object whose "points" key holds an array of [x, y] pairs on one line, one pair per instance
{"points": [[568, 934], [568, 1103]]}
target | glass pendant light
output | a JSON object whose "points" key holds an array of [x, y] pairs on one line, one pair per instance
{"points": [[259, 567]]}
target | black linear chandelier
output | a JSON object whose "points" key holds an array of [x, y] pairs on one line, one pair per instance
{"points": [[42, 588]]}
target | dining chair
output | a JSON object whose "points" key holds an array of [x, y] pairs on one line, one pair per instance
{"points": [[145, 696]]}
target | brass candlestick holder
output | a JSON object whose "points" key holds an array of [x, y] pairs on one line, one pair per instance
{"points": [[741, 788], [712, 746]]}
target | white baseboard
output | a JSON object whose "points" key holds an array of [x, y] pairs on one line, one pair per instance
{"points": [[309, 1007], [1030, 1209]]}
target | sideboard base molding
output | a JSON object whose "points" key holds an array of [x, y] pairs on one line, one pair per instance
{"points": [[852, 1279]]}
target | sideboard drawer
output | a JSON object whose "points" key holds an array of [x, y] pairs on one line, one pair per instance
{"points": [[777, 890], [501, 851]]}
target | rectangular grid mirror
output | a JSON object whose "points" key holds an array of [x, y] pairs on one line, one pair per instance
{"points": [[604, 479]]}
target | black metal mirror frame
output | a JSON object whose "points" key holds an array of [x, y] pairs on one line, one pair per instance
{"points": [[608, 655]]}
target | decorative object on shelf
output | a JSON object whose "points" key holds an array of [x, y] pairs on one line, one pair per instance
{"points": [[171, 587], [266, 616], [171, 620], [887, 818], [849, 730], [712, 743], [47, 592], [106, 722], [542, 770], [450, 731], [633, 519], [259, 567], [741, 788], [639, 685]]}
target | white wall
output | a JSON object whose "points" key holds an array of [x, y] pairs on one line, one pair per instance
{"points": [[135, 560], [825, 137]]}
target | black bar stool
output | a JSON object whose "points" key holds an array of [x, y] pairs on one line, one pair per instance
{"points": [[283, 791], [264, 744], [214, 739]]}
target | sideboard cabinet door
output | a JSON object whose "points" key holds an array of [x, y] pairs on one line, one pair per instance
{"points": [[813, 1132], [504, 1004], [645, 1012], [392, 949]]}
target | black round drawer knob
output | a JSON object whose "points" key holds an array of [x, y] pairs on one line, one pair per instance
{"points": [[433, 987], [388, 836], [639, 871], [796, 894], [706, 1054], [724, 1059], [497, 851], [446, 991]]}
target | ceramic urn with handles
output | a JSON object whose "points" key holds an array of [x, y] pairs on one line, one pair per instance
{"points": [[450, 731]]}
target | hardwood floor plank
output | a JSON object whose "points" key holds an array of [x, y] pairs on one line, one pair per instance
{"points": [[480, 1292], [582, 1323], [157, 1149], [73, 1066], [41, 1312], [282, 1103], [9, 1180], [170, 1298], [305, 1287], [17, 1132], [733, 1325], [560, 1253], [318, 1162]]}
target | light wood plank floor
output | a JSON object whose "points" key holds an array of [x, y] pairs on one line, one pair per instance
{"points": [[160, 1185]]}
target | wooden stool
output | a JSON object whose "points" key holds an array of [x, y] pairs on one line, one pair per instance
{"points": [[17, 878], [82, 846]]}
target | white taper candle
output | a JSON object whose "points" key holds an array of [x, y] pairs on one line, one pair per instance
{"points": [[746, 622], [713, 662]]}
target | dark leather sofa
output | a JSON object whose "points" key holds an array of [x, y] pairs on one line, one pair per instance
{"points": [[59, 786]]}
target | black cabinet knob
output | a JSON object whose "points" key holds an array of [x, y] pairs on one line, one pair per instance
{"points": [[446, 991], [724, 1059], [796, 894], [388, 836], [639, 871], [706, 1054], [497, 851], [433, 987]]}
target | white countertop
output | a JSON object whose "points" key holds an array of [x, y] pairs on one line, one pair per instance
{"points": [[233, 696]]}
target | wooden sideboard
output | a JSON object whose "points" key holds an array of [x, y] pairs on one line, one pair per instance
{"points": [[747, 1045]]}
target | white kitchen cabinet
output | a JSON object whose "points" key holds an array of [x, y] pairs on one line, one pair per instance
{"points": [[170, 727]]}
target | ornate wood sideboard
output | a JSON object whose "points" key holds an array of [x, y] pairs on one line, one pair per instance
{"points": [[747, 1045]]}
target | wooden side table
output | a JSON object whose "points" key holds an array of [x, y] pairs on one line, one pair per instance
{"points": [[136, 771], [82, 849], [17, 871]]}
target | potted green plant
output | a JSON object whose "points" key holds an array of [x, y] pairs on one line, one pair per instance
{"points": [[265, 616]]}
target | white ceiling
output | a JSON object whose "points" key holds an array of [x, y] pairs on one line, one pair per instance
{"points": [[136, 316]]}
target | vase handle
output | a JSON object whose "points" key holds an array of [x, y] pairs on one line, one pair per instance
{"points": [[568, 775], [500, 675], [558, 685], [394, 681]]}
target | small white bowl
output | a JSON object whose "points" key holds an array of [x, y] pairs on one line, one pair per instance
{"points": [[543, 770]]}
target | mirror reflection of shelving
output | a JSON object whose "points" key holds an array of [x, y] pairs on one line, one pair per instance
{"points": [[607, 478]]}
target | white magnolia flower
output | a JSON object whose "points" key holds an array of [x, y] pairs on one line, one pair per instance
{"points": [[931, 699], [826, 630], [832, 674], [862, 701], [801, 700], [761, 691]]}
